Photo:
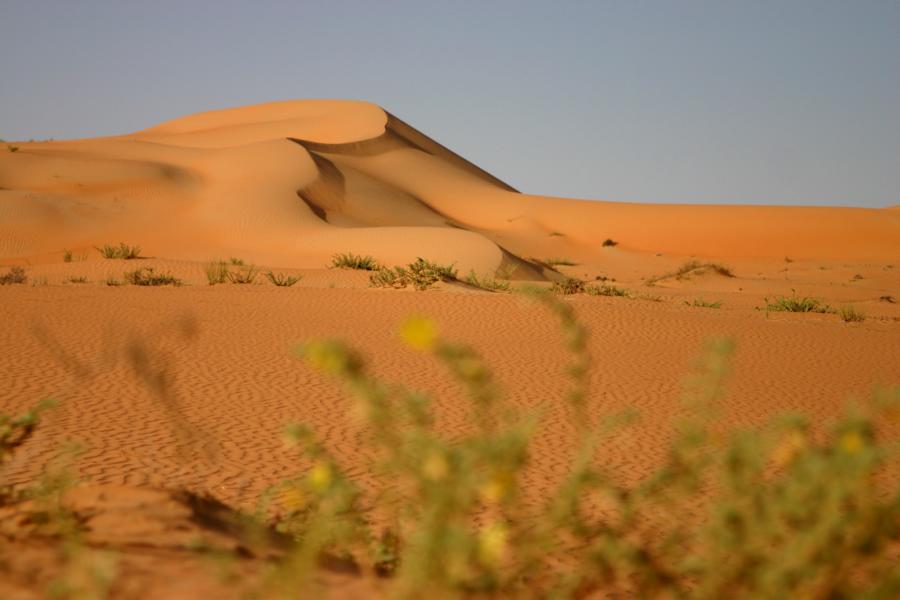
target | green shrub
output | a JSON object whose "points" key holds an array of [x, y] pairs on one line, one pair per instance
{"points": [[795, 303], [568, 286], [349, 260], [701, 303], [850, 314], [282, 280], [16, 274], [244, 275], [148, 277], [216, 271], [605, 290], [421, 274], [776, 512], [123, 251], [486, 283]]}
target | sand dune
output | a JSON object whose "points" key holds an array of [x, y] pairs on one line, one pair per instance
{"points": [[290, 183]]}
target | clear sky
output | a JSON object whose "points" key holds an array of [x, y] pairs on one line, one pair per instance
{"points": [[751, 102]]}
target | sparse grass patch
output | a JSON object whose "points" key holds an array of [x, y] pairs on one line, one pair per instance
{"points": [[568, 286], [850, 314], [122, 251], [348, 260], [605, 290], [647, 297], [216, 272], [148, 277], [608, 243], [560, 262], [701, 303], [244, 275], [113, 282], [421, 274], [282, 280], [237, 262], [77, 279], [795, 303], [486, 283], [693, 267], [16, 274]]}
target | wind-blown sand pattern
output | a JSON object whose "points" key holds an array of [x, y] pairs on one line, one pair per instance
{"points": [[189, 387]]}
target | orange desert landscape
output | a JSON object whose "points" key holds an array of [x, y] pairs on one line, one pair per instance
{"points": [[174, 291]]}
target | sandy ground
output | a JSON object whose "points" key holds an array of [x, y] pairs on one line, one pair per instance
{"points": [[285, 186]]}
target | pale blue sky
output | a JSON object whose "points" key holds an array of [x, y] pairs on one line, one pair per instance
{"points": [[754, 102]]}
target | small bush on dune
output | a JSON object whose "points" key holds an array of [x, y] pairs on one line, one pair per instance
{"points": [[113, 282], [243, 275], [421, 275], [12, 148], [701, 303], [850, 314], [607, 243], [349, 260], [148, 277], [67, 256], [795, 303], [122, 251], [605, 290], [216, 272], [77, 279], [15, 275], [693, 267], [282, 280], [486, 283], [568, 286]]}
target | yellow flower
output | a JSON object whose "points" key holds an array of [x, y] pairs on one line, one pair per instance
{"points": [[419, 333], [435, 466], [496, 488], [492, 543], [329, 357], [320, 476], [851, 442]]}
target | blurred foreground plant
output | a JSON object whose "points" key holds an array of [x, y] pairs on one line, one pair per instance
{"points": [[771, 513]]}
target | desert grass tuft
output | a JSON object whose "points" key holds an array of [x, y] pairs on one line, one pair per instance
{"points": [[237, 262], [559, 262], [67, 256], [850, 314], [701, 303], [16, 274], [12, 148], [568, 286], [113, 282], [486, 283], [795, 303], [282, 280], [348, 260], [605, 290], [148, 277], [122, 251], [607, 243], [216, 272], [77, 279], [244, 275], [421, 275], [693, 267]]}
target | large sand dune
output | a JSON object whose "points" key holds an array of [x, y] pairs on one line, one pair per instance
{"points": [[291, 183]]}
